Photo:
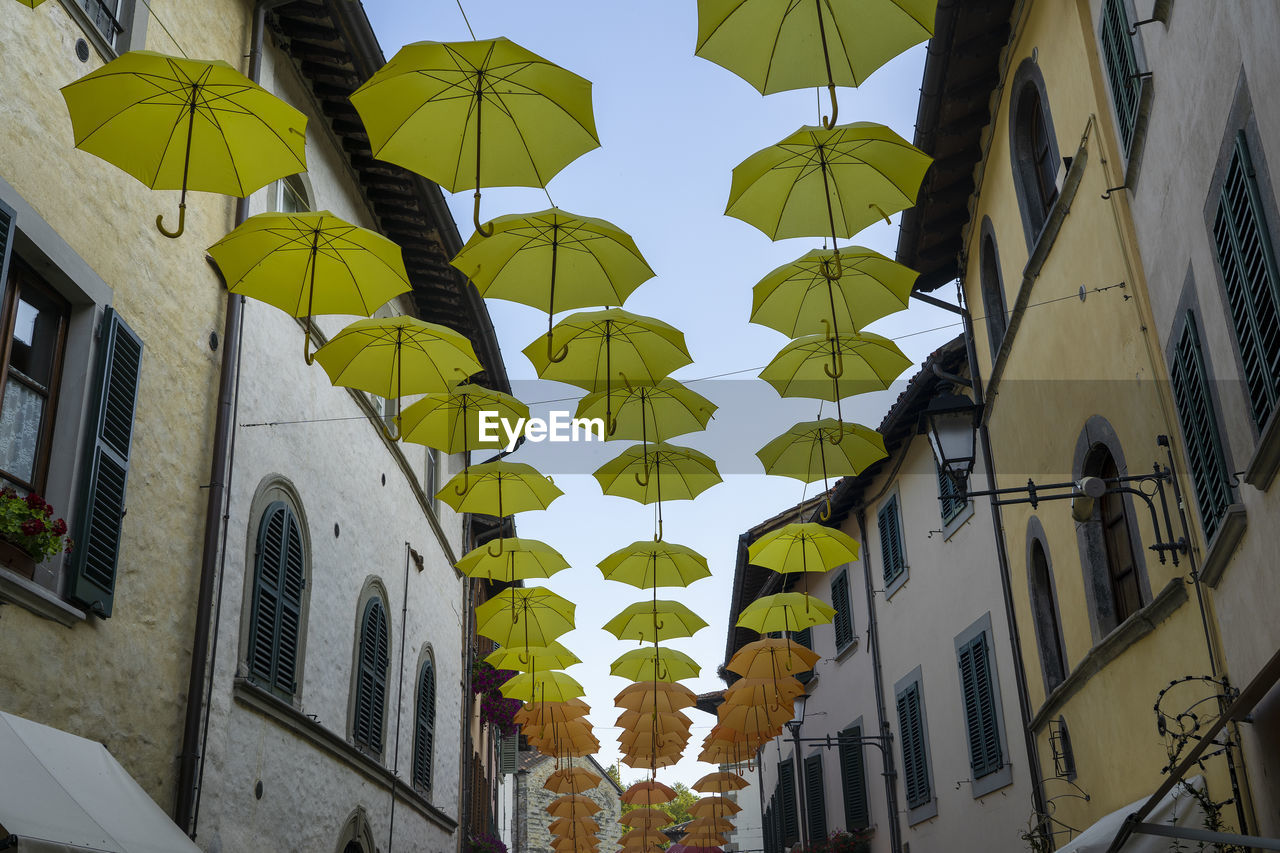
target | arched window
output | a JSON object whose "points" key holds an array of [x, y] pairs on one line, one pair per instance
{"points": [[1044, 612], [1034, 150], [294, 197], [424, 732], [992, 290], [372, 662], [1112, 514], [275, 619]]}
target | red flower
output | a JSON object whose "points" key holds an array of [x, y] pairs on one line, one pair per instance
{"points": [[58, 527], [7, 492], [35, 502], [32, 527]]}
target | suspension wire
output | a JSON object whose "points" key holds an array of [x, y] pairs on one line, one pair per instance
{"points": [[465, 21], [160, 21]]}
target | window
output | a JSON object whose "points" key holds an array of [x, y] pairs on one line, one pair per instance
{"points": [[424, 732], [1044, 611], [815, 797], [843, 622], [787, 816], [1035, 150], [372, 663], [981, 722], [853, 779], [1122, 68], [275, 620], [112, 24], [1242, 241], [294, 197], [993, 304], [1122, 570], [431, 482], [915, 759], [891, 551], [1210, 476]]}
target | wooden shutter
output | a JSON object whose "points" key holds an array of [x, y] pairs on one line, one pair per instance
{"points": [[425, 729], [787, 815], [101, 505], [853, 779], [276, 615], [1245, 256], [948, 497], [1205, 458], [915, 765], [815, 798], [890, 540], [1122, 68], [803, 638], [371, 678], [844, 614], [981, 720], [508, 754]]}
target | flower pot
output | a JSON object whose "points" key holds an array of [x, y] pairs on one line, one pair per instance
{"points": [[16, 559]]}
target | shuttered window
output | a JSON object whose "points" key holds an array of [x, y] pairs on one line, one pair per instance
{"points": [[1209, 473], [787, 815], [1248, 265], [815, 798], [891, 551], [1122, 67], [508, 754], [372, 663], [424, 732], [853, 779], [981, 721], [915, 764], [949, 498], [844, 613], [275, 619], [101, 507]]}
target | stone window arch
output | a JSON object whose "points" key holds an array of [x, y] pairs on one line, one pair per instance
{"points": [[993, 301], [356, 835], [1033, 149], [1045, 614]]}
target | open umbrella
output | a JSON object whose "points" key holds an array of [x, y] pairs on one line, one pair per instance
{"points": [[527, 616], [714, 807], [567, 741], [656, 472], [572, 805], [712, 824], [522, 659], [548, 686], [771, 658], [498, 489], [601, 350], [565, 826], [648, 793], [802, 547], [647, 564], [579, 844], [477, 114], [551, 712], [832, 368], [518, 559], [450, 421], [655, 664], [645, 817], [646, 721], [185, 124], [718, 783], [662, 743], [821, 449], [651, 621], [571, 780], [651, 760], [311, 263], [753, 719], [785, 611], [657, 412], [650, 697], [643, 836], [772, 691]]}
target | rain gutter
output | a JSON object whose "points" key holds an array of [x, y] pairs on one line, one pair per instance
{"points": [[190, 763]]}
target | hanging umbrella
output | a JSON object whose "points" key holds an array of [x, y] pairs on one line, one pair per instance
{"points": [[554, 260], [661, 696], [567, 741], [648, 721], [548, 686], [832, 368], [499, 489], [712, 824], [785, 611], [549, 712], [718, 783], [643, 836], [703, 840], [648, 664], [649, 817], [477, 114], [647, 564], [807, 297], [772, 691], [572, 805], [714, 807], [639, 742], [770, 43], [522, 659], [571, 780], [185, 124], [753, 719], [650, 473], [311, 263], [450, 421], [818, 450], [397, 356], [588, 844], [600, 350], [651, 621], [747, 740], [807, 547], [648, 793], [652, 761], [518, 559], [528, 616], [770, 658], [719, 752], [657, 412], [565, 826]]}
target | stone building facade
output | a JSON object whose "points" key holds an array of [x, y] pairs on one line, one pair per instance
{"points": [[531, 823]]}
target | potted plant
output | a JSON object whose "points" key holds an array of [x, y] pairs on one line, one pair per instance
{"points": [[485, 843], [29, 534]]}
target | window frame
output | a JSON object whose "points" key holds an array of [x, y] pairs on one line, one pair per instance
{"points": [[373, 595], [271, 495], [1044, 603], [891, 508], [998, 776], [843, 605], [1028, 169], [924, 809], [130, 20], [424, 783]]}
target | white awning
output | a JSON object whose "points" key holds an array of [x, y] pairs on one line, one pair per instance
{"points": [[1178, 808], [60, 793]]}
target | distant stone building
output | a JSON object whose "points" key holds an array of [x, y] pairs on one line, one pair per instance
{"points": [[531, 824]]}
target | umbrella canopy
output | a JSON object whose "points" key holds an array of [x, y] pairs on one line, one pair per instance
{"points": [[645, 817], [770, 658], [647, 721], [311, 263], [832, 368], [703, 839], [571, 780], [785, 611], [660, 697], [499, 488], [714, 807], [549, 686], [748, 740], [651, 621], [572, 805], [650, 664], [185, 124], [647, 564], [662, 743], [767, 691], [518, 559], [720, 782], [646, 760], [643, 836], [565, 826], [802, 547], [477, 114], [578, 844], [712, 824], [821, 449], [551, 712], [528, 616], [657, 472], [521, 659], [657, 412], [450, 421], [648, 793], [570, 744], [753, 719]]}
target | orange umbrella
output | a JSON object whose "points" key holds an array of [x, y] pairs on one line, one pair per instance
{"points": [[777, 693], [651, 761], [543, 713], [646, 817], [579, 844], [703, 839], [643, 743], [579, 826], [660, 696], [714, 807], [720, 782], [647, 793], [753, 719], [572, 806], [751, 740], [571, 780], [643, 837], [709, 824], [644, 721], [769, 658]]}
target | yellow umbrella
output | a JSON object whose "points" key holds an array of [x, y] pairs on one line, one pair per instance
{"points": [[450, 421], [571, 780], [832, 368], [554, 260], [718, 783], [785, 611], [595, 350], [827, 183], [518, 559], [807, 547], [180, 124], [646, 413], [477, 114], [397, 356], [523, 659], [770, 658], [662, 742], [644, 471], [643, 836], [828, 292], [647, 564], [572, 805], [499, 488], [533, 614], [655, 697], [648, 793], [651, 621], [646, 664], [569, 743], [647, 721], [770, 43], [311, 263], [549, 686], [821, 449]]}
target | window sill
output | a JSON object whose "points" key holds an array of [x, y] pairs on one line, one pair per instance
{"points": [[892, 587], [91, 31], [847, 651], [1223, 545], [957, 521], [993, 781], [293, 720], [921, 813], [16, 589], [1266, 456]]}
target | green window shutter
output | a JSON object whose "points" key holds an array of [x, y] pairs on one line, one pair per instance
{"points": [[915, 765], [425, 729], [948, 497], [508, 754], [803, 638], [891, 552], [787, 804], [844, 616], [853, 779], [815, 798], [371, 677], [276, 616], [1248, 266], [1208, 467], [101, 505], [1122, 68], [981, 721]]}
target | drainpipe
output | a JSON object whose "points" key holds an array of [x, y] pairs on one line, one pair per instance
{"points": [[190, 758]]}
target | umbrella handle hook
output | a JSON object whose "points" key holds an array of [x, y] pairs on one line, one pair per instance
{"points": [[612, 427], [829, 271], [643, 482], [835, 437], [501, 547], [880, 211], [389, 434], [307, 355], [826, 512], [835, 107], [461, 490], [839, 367], [553, 356], [182, 223], [476, 216]]}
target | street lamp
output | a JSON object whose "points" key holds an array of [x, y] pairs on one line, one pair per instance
{"points": [[793, 725], [951, 421]]}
